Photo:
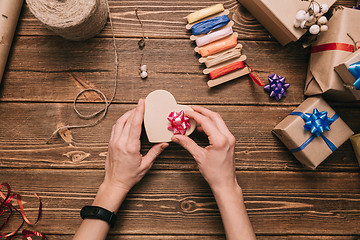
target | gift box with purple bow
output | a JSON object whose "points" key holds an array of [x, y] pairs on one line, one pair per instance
{"points": [[313, 131]]}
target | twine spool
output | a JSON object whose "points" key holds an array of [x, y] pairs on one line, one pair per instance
{"points": [[72, 19]]}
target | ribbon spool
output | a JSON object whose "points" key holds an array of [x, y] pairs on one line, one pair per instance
{"points": [[74, 20]]}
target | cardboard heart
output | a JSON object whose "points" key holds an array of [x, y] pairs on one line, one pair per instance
{"points": [[158, 105]]}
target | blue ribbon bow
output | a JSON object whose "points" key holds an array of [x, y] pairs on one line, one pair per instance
{"points": [[317, 123], [354, 69]]}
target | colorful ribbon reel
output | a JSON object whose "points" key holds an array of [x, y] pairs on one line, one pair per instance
{"points": [[217, 44]]}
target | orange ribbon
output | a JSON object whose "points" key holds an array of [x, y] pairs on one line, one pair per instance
{"points": [[218, 46]]}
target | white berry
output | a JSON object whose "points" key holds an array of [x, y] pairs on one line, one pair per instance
{"points": [[300, 16], [323, 28], [309, 17], [322, 20], [297, 23], [302, 12], [143, 68], [143, 74], [302, 24], [314, 29], [324, 8], [316, 8]]}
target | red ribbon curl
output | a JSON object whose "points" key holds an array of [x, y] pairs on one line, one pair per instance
{"points": [[7, 206]]}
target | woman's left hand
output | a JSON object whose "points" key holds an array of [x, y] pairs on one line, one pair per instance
{"points": [[125, 166]]}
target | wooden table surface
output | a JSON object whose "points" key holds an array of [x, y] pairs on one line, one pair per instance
{"points": [[45, 72]]}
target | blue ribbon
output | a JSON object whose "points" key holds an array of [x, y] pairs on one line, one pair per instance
{"points": [[317, 123], [210, 24], [354, 69]]}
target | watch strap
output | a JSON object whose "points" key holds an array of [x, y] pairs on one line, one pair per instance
{"points": [[96, 212]]}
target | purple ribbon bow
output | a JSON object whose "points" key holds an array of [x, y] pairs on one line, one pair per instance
{"points": [[276, 86]]}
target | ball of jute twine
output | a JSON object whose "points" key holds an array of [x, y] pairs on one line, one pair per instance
{"points": [[72, 19]]}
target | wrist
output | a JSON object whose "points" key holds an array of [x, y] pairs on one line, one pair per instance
{"points": [[110, 197], [226, 189]]}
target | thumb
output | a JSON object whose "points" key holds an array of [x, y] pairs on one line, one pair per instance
{"points": [[188, 144], [155, 151]]}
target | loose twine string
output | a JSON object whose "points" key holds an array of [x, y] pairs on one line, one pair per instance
{"points": [[141, 43], [105, 109], [354, 42]]}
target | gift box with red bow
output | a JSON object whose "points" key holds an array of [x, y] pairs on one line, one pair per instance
{"points": [[330, 50], [313, 131]]}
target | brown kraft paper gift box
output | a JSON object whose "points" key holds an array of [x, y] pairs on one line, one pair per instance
{"points": [[9, 15], [278, 16], [292, 133], [355, 140], [321, 77], [345, 75]]}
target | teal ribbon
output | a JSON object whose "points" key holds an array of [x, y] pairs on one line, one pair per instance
{"points": [[354, 69], [317, 123]]}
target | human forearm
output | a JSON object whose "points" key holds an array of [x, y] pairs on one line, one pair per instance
{"points": [[107, 197], [217, 165], [236, 222], [124, 167]]}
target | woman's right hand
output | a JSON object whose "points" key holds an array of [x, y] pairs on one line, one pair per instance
{"points": [[216, 162]]}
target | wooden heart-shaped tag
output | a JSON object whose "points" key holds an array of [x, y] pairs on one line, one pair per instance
{"points": [[158, 105]]}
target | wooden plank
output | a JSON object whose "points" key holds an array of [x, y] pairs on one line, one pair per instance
{"points": [[212, 237], [162, 19], [56, 70], [25, 128], [175, 202]]}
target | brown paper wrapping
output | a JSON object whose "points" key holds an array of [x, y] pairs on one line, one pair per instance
{"points": [[345, 75], [321, 77], [355, 140], [9, 15], [291, 132], [278, 16]]}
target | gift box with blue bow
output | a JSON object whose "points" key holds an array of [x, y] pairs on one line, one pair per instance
{"points": [[349, 71], [355, 140], [313, 131]]}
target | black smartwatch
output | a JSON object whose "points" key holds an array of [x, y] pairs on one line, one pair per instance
{"points": [[95, 212]]}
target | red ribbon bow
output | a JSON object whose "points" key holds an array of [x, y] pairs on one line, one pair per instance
{"points": [[178, 122]]}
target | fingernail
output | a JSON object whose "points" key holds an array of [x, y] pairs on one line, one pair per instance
{"points": [[140, 101], [174, 138]]}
